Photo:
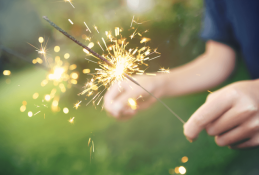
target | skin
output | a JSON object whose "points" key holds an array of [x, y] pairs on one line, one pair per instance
{"points": [[229, 114]]}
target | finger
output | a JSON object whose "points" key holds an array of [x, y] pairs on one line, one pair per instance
{"points": [[231, 119], [127, 114], [112, 93], [208, 112], [146, 103], [121, 103], [110, 96], [253, 142], [239, 133]]}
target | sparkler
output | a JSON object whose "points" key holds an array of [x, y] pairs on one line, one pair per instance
{"points": [[115, 65]]}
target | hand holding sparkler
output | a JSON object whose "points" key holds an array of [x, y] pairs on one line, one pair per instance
{"points": [[117, 104], [230, 114]]}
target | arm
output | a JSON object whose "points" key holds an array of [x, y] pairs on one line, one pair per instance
{"points": [[214, 66], [207, 71]]}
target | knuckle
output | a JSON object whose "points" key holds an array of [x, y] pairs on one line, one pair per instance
{"points": [[248, 109], [219, 141], [210, 131], [199, 121], [254, 125], [232, 93]]}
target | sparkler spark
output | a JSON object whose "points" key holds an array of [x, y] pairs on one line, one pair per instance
{"points": [[77, 105], [70, 21], [42, 50], [117, 65], [71, 120], [70, 3]]}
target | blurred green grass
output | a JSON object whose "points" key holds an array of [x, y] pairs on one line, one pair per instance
{"points": [[150, 143]]}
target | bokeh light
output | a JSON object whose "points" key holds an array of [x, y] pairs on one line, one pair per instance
{"points": [[65, 110], [30, 114], [47, 97], [22, 108], [85, 71], [66, 56], [56, 48], [41, 39], [35, 95], [182, 170], [7, 72], [184, 159]]}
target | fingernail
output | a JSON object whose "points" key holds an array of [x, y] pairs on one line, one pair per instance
{"points": [[190, 140]]}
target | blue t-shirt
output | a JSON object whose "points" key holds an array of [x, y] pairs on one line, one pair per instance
{"points": [[235, 23]]}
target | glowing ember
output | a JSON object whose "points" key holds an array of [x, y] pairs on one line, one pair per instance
{"points": [[132, 103]]}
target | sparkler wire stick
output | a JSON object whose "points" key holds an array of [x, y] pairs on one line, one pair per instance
{"points": [[109, 63]]}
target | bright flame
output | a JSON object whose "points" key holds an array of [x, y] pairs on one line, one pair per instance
{"points": [[57, 74]]}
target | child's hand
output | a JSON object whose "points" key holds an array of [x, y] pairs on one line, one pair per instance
{"points": [[230, 114], [116, 98]]}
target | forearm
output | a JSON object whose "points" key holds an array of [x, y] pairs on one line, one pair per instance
{"points": [[205, 72]]}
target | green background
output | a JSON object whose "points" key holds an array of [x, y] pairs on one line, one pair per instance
{"points": [[150, 143]]}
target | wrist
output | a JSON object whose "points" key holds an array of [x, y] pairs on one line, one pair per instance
{"points": [[161, 83]]}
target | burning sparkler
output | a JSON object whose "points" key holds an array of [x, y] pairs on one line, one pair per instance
{"points": [[119, 64]]}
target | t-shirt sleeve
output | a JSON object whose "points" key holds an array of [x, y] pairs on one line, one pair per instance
{"points": [[216, 25]]}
